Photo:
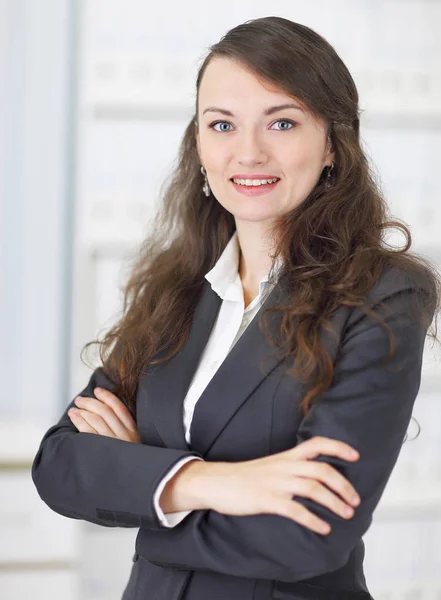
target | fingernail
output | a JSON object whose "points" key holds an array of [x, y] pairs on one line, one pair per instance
{"points": [[355, 500]]}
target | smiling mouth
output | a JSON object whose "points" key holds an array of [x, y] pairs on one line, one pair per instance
{"points": [[251, 190], [255, 182]]}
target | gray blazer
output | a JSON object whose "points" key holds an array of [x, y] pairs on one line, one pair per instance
{"points": [[246, 413]]}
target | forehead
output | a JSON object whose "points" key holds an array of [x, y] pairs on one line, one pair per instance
{"points": [[228, 81]]}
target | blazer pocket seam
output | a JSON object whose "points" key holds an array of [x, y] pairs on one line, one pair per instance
{"points": [[310, 591]]}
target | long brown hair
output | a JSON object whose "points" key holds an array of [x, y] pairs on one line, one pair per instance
{"points": [[332, 243]]}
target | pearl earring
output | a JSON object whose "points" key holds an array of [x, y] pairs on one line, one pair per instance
{"points": [[328, 177], [206, 186]]}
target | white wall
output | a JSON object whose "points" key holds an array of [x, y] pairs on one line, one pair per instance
{"points": [[34, 165], [38, 548]]}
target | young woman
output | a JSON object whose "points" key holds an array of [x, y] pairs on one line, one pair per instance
{"points": [[263, 340]]}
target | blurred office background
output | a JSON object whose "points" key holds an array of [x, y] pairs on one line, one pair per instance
{"points": [[94, 98]]}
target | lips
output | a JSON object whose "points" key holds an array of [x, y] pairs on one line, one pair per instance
{"points": [[254, 190], [272, 180]]}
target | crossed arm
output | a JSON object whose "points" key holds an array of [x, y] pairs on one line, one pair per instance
{"points": [[368, 405]]}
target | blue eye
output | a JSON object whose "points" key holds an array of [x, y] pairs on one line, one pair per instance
{"points": [[213, 125], [284, 121]]}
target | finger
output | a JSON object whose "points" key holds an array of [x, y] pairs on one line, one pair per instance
{"points": [[329, 476], [322, 445], [310, 488], [300, 514], [105, 413], [118, 407], [97, 423], [79, 422]]}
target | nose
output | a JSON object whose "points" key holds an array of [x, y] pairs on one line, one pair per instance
{"points": [[250, 149]]}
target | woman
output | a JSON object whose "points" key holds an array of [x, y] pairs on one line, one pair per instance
{"points": [[265, 312]]}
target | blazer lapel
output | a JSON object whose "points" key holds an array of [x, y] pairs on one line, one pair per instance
{"points": [[239, 374], [166, 384], [237, 377]]}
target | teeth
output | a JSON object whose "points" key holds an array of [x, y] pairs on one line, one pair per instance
{"points": [[254, 182]]}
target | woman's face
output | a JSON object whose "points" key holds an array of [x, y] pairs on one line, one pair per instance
{"points": [[236, 138]]}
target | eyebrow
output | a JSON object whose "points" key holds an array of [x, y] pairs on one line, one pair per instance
{"points": [[266, 112]]}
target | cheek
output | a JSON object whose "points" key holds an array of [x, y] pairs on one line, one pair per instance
{"points": [[302, 151], [214, 160], [305, 165], [300, 155], [212, 150]]}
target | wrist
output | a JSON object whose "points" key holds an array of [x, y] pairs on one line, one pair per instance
{"points": [[186, 489], [194, 483]]}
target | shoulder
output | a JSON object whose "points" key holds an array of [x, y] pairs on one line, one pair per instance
{"points": [[412, 290], [414, 280], [396, 279]]}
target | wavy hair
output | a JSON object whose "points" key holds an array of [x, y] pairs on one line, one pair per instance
{"points": [[332, 244]]}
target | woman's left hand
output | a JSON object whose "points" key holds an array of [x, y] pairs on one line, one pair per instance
{"points": [[105, 416]]}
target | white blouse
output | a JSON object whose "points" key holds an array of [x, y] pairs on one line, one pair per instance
{"points": [[232, 320]]}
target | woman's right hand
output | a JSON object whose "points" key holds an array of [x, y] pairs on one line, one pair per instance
{"points": [[267, 485]]}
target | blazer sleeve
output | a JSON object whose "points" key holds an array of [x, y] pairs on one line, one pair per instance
{"points": [[368, 406], [99, 479]]}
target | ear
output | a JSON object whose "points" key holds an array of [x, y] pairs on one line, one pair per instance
{"points": [[329, 156], [198, 142]]}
